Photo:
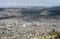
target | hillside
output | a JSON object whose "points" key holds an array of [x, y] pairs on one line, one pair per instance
{"points": [[16, 23]]}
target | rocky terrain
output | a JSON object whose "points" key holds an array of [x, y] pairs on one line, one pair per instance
{"points": [[19, 24]]}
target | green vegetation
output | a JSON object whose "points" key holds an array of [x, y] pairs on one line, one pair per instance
{"points": [[51, 35]]}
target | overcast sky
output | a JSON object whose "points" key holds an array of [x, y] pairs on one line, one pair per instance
{"points": [[29, 2]]}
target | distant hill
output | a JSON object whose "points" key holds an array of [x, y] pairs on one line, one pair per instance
{"points": [[32, 10]]}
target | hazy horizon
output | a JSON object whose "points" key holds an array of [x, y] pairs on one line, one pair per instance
{"points": [[7, 3]]}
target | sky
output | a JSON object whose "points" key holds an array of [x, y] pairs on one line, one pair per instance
{"points": [[29, 3]]}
